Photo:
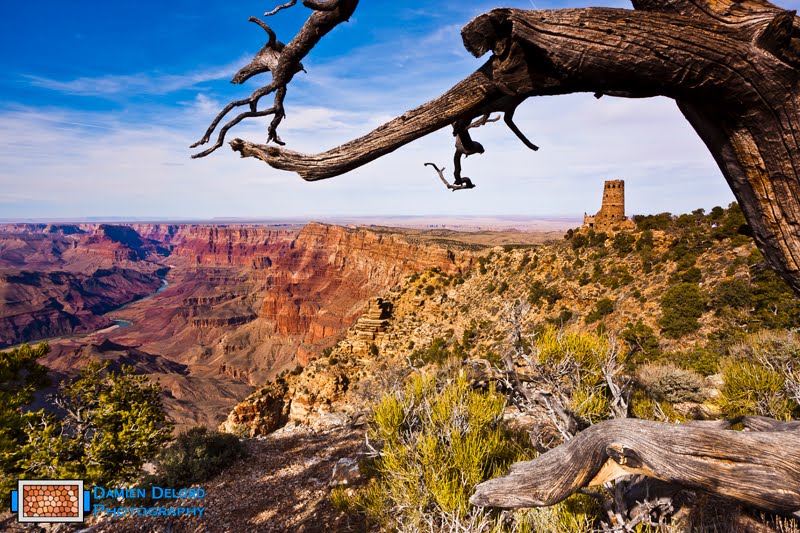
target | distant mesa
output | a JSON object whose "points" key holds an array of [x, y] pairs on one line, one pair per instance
{"points": [[611, 216]]}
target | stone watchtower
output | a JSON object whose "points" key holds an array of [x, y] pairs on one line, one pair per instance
{"points": [[612, 213]]}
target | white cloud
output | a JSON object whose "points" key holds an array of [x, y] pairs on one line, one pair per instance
{"points": [[52, 164], [143, 83]]}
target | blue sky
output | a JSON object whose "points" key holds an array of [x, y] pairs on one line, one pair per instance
{"points": [[100, 101]]}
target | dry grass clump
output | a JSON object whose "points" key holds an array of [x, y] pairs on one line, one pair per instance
{"points": [[667, 382]]}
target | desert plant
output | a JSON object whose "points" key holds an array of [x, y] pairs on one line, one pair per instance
{"points": [[660, 221], [576, 368], [667, 382], [113, 421], [197, 455], [20, 376], [439, 438], [539, 293], [700, 359], [752, 388], [762, 376], [733, 293], [579, 240], [602, 308], [437, 353], [642, 341], [623, 243], [681, 306]]}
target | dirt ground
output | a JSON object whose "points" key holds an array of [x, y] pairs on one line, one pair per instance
{"points": [[281, 486]]}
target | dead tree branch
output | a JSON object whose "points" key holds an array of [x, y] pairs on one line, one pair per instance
{"points": [[280, 8], [283, 61], [731, 66], [695, 457], [465, 183]]}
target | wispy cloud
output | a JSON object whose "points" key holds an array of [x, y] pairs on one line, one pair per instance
{"points": [[57, 163], [143, 83]]}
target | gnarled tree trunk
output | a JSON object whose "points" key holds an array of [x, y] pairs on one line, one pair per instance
{"points": [[732, 67], [760, 467]]}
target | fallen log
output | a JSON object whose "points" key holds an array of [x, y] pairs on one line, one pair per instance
{"points": [[759, 467]]}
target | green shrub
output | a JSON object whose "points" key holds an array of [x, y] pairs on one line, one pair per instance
{"points": [[733, 293], [623, 243], [430, 289], [732, 223], [645, 241], [691, 275], [585, 354], [112, 421], [596, 238], [197, 455], [761, 376], [752, 388], [20, 377], [564, 316], [615, 277], [661, 221], [540, 292], [579, 240], [439, 440], [774, 303], [681, 307], [577, 514], [503, 287], [437, 353], [642, 341], [777, 348], [641, 405], [701, 360], [602, 308]]}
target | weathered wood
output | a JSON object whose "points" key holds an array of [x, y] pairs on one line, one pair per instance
{"points": [[283, 61], [732, 67], [757, 468]]}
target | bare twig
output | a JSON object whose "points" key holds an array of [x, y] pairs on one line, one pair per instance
{"points": [[466, 182], [283, 61], [280, 7], [485, 119]]}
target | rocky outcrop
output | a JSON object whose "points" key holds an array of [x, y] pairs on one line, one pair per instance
{"points": [[261, 413], [374, 321], [116, 355], [217, 322]]}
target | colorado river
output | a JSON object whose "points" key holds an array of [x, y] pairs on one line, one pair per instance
{"points": [[118, 323]]}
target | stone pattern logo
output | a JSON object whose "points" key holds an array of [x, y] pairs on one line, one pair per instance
{"points": [[50, 500]]}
